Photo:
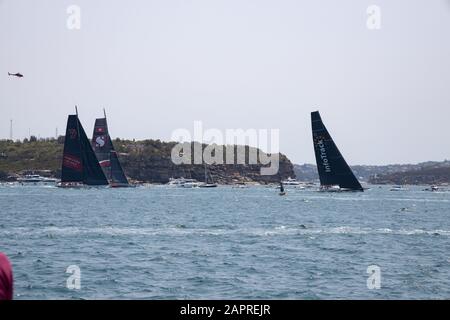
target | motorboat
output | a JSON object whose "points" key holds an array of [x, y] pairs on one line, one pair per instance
{"points": [[291, 182]]}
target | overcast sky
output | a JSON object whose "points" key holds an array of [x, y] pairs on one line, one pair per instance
{"points": [[265, 64]]}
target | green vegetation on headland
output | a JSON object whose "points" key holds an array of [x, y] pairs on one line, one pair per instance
{"points": [[427, 173], [150, 161], [145, 161]]}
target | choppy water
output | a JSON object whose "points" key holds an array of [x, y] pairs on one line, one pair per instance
{"points": [[224, 243]]}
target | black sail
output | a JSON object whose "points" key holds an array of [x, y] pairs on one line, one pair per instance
{"points": [[118, 177], [102, 145], [106, 154], [332, 167], [79, 161], [72, 164]]}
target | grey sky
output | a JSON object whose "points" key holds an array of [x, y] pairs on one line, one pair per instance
{"points": [[159, 65]]}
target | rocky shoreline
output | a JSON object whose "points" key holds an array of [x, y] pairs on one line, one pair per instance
{"points": [[146, 161]]}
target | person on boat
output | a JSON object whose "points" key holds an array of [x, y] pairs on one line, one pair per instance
{"points": [[282, 192], [6, 278]]}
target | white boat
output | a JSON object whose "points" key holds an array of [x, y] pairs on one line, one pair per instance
{"points": [[35, 178], [332, 188], [71, 185], [176, 182], [291, 182], [191, 183], [30, 178], [183, 183], [240, 185], [398, 188]]}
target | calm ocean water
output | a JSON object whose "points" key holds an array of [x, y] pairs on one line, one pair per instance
{"points": [[171, 243]]}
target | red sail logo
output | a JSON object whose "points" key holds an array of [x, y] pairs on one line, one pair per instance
{"points": [[105, 163], [72, 162], [73, 133]]}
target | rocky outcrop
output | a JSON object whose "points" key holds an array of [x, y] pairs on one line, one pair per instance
{"points": [[145, 161], [150, 161]]}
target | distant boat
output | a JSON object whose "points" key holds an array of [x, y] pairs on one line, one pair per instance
{"points": [[240, 185], [432, 188], [398, 188], [191, 183], [35, 178], [209, 181], [80, 165], [176, 182], [107, 155], [30, 178], [183, 183], [334, 172], [291, 182]]}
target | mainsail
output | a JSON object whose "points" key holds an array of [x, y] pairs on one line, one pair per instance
{"points": [[332, 167], [106, 154], [102, 145], [79, 161]]}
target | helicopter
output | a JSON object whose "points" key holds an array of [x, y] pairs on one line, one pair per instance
{"points": [[18, 75]]}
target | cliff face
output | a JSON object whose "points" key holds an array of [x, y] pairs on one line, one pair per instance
{"points": [[146, 161], [150, 161]]}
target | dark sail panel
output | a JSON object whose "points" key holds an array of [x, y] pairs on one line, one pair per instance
{"points": [[93, 173], [72, 164], [102, 145], [332, 167], [118, 177], [106, 155]]}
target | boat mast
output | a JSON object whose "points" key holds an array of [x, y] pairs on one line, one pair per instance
{"points": [[78, 121], [210, 175], [11, 130], [106, 122]]}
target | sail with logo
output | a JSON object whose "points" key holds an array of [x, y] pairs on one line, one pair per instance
{"points": [[334, 172], [79, 166], [106, 154]]}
